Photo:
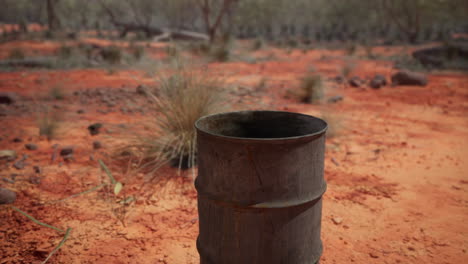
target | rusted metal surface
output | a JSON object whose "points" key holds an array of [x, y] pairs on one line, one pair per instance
{"points": [[260, 187]]}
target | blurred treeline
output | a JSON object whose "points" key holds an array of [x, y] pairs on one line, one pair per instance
{"points": [[390, 21]]}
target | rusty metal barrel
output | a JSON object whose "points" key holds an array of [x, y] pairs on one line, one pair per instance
{"points": [[260, 185]]}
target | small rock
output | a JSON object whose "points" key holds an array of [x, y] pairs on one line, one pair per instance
{"points": [[8, 155], [338, 79], [335, 99], [94, 129], [8, 98], [17, 140], [19, 165], [30, 146], [37, 169], [337, 220], [80, 111], [141, 89], [355, 82], [34, 180], [378, 81], [97, 145], [7, 196], [8, 180], [373, 255], [68, 158], [409, 78], [65, 151]]}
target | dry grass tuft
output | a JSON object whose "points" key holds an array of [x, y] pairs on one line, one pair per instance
{"points": [[312, 88], [183, 97], [48, 123]]}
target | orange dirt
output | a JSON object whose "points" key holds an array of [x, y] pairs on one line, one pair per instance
{"points": [[396, 165]]}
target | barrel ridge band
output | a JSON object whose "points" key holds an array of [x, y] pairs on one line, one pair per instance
{"points": [[282, 204]]}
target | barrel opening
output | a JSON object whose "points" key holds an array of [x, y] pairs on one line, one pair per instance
{"points": [[261, 124]]}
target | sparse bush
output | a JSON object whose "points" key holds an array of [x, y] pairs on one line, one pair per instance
{"points": [[138, 52], [258, 43], [292, 43], [351, 49], [48, 123], [172, 51], [16, 54], [65, 52], [347, 68], [184, 96], [199, 48], [57, 92], [312, 88], [221, 52], [112, 54]]}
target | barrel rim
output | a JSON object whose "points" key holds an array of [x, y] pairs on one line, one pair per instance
{"points": [[278, 139]]}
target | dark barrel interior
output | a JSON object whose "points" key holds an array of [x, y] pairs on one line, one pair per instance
{"points": [[261, 124]]}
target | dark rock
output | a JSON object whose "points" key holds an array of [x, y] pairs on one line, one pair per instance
{"points": [[94, 129], [30, 146], [141, 89], [19, 165], [409, 78], [65, 151], [7, 196], [338, 79], [335, 99], [378, 81], [8, 180], [355, 82], [97, 145], [80, 111], [8, 98], [17, 140], [37, 169]]}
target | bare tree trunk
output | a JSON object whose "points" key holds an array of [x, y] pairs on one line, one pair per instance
{"points": [[52, 18], [212, 26]]}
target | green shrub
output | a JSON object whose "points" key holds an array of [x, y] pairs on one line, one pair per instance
{"points": [[112, 54], [16, 54]]}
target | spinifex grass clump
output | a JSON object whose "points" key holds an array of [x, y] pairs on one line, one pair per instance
{"points": [[48, 123], [312, 88], [112, 54], [184, 95]]}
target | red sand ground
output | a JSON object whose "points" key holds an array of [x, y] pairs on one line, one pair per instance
{"points": [[396, 168]]}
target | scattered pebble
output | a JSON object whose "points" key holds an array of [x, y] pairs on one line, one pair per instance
{"points": [[30, 146], [373, 255], [19, 165], [97, 145], [337, 220], [7, 196], [94, 128], [37, 169], [65, 151]]}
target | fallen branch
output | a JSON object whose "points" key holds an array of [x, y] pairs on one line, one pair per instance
{"points": [[35, 220], [67, 233]]}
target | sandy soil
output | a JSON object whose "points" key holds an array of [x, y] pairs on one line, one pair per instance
{"points": [[396, 165]]}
